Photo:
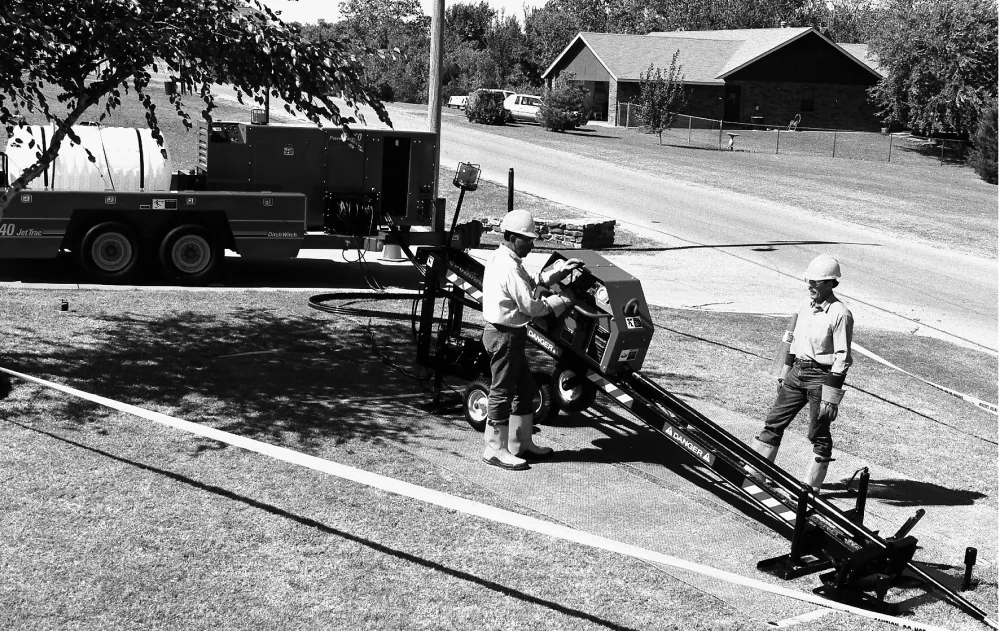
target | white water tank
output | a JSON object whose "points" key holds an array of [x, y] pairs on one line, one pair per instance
{"points": [[128, 159]]}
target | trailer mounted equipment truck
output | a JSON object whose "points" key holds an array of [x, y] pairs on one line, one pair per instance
{"points": [[262, 191]]}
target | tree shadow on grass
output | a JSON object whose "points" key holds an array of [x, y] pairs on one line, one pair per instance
{"points": [[931, 149], [328, 530], [250, 372]]}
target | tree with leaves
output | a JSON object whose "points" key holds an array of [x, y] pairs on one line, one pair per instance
{"points": [[939, 58], [378, 22], [62, 59], [392, 38], [848, 21], [661, 97], [547, 31], [506, 43]]}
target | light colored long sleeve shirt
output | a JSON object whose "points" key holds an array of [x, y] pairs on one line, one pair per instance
{"points": [[509, 291], [823, 334]]}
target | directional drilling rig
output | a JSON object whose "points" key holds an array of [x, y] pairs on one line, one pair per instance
{"points": [[600, 346]]}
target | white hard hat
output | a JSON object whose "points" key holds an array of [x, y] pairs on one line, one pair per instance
{"points": [[822, 267], [519, 222]]}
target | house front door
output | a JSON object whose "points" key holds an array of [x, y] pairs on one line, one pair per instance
{"points": [[731, 111]]}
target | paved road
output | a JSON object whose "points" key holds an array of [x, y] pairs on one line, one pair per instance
{"points": [[935, 288]]}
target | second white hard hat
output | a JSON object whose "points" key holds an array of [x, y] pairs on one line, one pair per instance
{"points": [[822, 267], [520, 222]]}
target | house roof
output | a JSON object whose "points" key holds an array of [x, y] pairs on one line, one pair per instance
{"points": [[752, 43], [627, 57], [707, 57], [860, 52]]}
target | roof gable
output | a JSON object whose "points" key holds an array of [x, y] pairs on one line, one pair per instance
{"points": [[627, 57], [706, 57]]}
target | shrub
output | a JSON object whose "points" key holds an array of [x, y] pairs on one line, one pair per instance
{"points": [[562, 108], [984, 155], [486, 107]]}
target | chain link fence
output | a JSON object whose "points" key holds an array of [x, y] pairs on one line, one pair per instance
{"points": [[898, 148]]}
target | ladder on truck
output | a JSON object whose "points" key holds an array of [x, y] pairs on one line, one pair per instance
{"points": [[823, 537]]}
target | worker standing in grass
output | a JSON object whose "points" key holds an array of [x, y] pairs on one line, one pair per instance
{"points": [[510, 302], [813, 369]]}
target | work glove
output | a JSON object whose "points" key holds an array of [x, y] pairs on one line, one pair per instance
{"points": [[560, 270], [558, 303], [829, 402]]}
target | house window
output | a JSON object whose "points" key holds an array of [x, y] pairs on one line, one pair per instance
{"points": [[808, 101]]}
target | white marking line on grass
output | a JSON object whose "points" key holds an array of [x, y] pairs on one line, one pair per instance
{"points": [[463, 505], [806, 617], [979, 403]]}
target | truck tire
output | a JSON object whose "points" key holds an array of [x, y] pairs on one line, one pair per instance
{"points": [[109, 253], [476, 403], [571, 391], [189, 255]]}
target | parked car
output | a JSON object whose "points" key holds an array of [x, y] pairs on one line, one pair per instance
{"points": [[522, 107], [460, 101]]}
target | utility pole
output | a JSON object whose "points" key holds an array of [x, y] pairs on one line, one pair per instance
{"points": [[434, 82]]}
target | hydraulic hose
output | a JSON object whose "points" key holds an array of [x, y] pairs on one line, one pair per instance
{"points": [[319, 302]]}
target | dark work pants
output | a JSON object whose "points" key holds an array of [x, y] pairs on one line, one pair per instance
{"points": [[802, 386], [513, 388]]}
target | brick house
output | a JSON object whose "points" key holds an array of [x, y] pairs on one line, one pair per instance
{"points": [[765, 76]]}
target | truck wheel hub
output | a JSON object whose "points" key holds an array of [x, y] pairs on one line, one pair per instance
{"points": [[112, 252], [191, 254]]}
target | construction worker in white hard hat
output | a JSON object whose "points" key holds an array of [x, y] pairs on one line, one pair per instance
{"points": [[816, 356], [509, 303]]}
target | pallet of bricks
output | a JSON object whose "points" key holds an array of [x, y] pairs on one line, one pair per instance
{"points": [[582, 234]]}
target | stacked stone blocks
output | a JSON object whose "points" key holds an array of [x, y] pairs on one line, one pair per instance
{"points": [[581, 234]]}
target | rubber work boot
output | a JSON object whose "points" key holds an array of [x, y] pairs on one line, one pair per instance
{"points": [[816, 472], [770, 452], [495, 453], [520, 441]]}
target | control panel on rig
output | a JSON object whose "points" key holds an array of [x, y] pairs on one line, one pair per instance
{"points": [[610, 328]]}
